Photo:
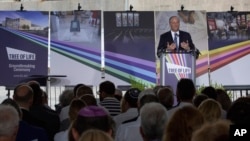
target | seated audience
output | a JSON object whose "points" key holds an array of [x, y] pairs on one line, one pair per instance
{"points": [[185, 92], [9, 123], [153, 120], [217, 131], [82, 90], [89, 99], [198, 98], [182, 124], [130, 130], [239, 112], [26, 131], [23, 96], [210, 91], [211, 110], [118, 94], [166, 97], [75, 106], [157, 88], [129, 106], [223, 99], [95, 135], [91, 117], [64, 114], [64, 99], [49, 118], [107, 98]]}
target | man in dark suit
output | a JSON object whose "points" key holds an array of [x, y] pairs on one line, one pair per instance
{"points": [[175, 39], [23, 96], [39, 111]]}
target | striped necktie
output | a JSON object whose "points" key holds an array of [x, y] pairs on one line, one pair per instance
{"points": [[176, 41]]}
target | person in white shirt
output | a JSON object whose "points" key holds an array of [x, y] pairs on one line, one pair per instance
{"points": [[129, 106], [131, 131]]}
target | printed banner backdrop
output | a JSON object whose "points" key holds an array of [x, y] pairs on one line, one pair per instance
{"points": [[129, 46], [76, 47], [23, 47], [193, 22], [229, 46]]}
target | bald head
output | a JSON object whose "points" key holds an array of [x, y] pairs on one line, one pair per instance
{"points": [[23, 94]]}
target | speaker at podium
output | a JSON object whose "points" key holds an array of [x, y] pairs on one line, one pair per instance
{"points": [[177, 65]]}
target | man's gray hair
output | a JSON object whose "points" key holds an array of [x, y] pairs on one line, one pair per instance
{"points": [[9, 120], [153, 120]]}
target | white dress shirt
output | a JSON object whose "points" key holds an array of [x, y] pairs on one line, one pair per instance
{"points": [[129, 131], [129, 114]]}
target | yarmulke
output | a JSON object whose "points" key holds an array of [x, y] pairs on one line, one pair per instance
{"points": [[132, 93], [92, 111]]}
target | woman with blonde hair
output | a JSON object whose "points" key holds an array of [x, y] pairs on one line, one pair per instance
{"points": [[210, 109], [182, 124], [95, 135], [217, 131]]}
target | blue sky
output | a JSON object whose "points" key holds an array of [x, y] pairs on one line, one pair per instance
{"points": [[36, 17]]}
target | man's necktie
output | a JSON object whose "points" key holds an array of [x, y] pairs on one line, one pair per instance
{"points": [[176, 41]]}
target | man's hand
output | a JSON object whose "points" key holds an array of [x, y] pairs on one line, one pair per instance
{"points": [[171, 47], [185, 45]]}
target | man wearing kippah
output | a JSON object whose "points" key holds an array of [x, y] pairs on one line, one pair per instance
{"points": [[91, 117], [129, 106]]}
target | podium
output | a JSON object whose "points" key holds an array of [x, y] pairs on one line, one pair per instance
{"points": [[177, 65]]}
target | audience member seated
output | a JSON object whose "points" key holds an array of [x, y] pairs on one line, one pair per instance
{"points": [[130, 131], [91, 117], [217, 131], [26, 131], [45, 102], [148, 91], [211, 110], [239, 112], [182, 124], [48, 117], [210, 91], [64, 114], [89, 99], [118, 94], [75, 106], [129, 107], [82, 90], [185, 92], [223, 99], [64, 99], [107, 99], [153, 120], [95, 135], [166, 97], [198, 98], [157, 88], [9, 123], [23, 96]]}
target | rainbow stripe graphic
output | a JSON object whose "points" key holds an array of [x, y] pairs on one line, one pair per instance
{"points": [[124, 67]]}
